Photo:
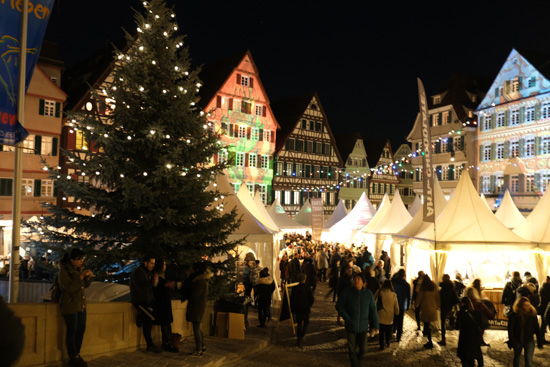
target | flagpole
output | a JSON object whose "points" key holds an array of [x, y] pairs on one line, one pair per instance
{"points": [[13, 292]]}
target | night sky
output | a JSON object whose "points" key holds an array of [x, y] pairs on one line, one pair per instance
{"points": [[362, 58]]}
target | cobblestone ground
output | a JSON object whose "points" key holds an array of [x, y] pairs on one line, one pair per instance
{"points": [[325, 345]]}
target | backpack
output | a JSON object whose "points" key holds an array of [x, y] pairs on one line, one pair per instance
{"points": [[55, 291]]}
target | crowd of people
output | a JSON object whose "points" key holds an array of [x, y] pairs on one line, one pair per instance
{"points": [[361, 285]]}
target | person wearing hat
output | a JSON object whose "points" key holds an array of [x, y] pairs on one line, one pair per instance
{"points": [[264, 288]]}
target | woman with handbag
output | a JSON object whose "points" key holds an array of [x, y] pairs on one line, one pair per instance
{"points": [[73, 279]]}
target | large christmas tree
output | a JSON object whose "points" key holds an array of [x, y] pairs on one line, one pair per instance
{"points": [[149, 186]]}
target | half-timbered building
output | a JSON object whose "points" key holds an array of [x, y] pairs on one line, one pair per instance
{"points": [[307, 161], [355, 174], [384, 176], [238, 107]]}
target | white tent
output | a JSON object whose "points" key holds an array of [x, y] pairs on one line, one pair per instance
{"points": [[415, 206], [508, 212], [485, 201], [259, 212], [346, 229], [536, 228], [380, 213], [337, 215], [304, 215], [282, 220], [394, 220], [259, 237], [480, 243]]}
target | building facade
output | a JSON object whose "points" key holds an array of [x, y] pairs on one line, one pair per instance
{"points": [[43, 120], [307, 161], [355, 174], [403, 161], [238, 106], [514, 132], [453, 128], [384, 176]]}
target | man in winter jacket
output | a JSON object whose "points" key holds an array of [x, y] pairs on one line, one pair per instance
{"points": [[357, 307], [141, 295], [403, 291], [301, 301]]}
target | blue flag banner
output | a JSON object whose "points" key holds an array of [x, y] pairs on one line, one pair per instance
{"points": [[11, 131]]}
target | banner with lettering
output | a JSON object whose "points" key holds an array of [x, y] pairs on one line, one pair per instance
{"points": [[11, 131], [427, 177], [317, 217]]}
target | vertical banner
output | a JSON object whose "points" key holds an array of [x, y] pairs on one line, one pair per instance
{"points": [[317, 217], [427, 177], [11, 131]]}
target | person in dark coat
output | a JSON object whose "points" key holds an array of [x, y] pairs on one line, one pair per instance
{"points": [[372, 284], [470, 341], [301, 301], [544, 302], [403, 291], [357, 307], [264, 288], [196, 304], [387, 264], [333, 276], [509, 293], [415, 289], [522, 327], [163, 304], [72, 280], [448, 298], [311, 273], [294, 268], [283, 270], [141, 296], [366, 259]]}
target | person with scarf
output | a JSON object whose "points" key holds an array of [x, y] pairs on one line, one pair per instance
{"points": [[522, 327]]}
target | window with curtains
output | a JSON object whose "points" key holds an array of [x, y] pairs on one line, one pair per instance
{"points": [[27, 187], [46, 188], [46, 145], [28, 144]]}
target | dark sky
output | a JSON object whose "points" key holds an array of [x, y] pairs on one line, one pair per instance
{"points": [[362, 58]]}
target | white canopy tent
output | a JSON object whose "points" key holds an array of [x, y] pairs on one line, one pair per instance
{"points": [[282, 220], [394, 220], [508, 212], [258, 211], [345, 229], [480, 243], [260, 238], [380, 213], [304, 215], [337, 215], [415, 206]]}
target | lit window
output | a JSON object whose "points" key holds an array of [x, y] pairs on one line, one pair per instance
{"points": [[296, 197], [435, 119], [46, 145], [287, 197], [485, 184], [46, 188], [252, 157], [27, 187], [514, 85], [288, 169], [445, 174], [28, 144], [81, 143], [501, 118], [529, 114], [514, 117], [487, 121], [514, 148], [530, 146], [255, 134], [265, 161], [242, 132], [239, 159], [499, 183]]}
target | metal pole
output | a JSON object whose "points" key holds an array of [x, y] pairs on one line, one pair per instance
{"points": [[17, 169]]}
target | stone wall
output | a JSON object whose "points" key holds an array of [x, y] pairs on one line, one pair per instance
{"points": [[110, 329]]}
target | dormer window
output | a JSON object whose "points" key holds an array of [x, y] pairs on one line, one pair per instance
{"points": [[514, 85], [437, 99], [245, 80]]}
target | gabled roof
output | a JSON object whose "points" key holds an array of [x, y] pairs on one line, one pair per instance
{"points": [[346, 144], [540, 61], [374, 151], [289, 112], [90, 73], [214, 75], [458, 92]]}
